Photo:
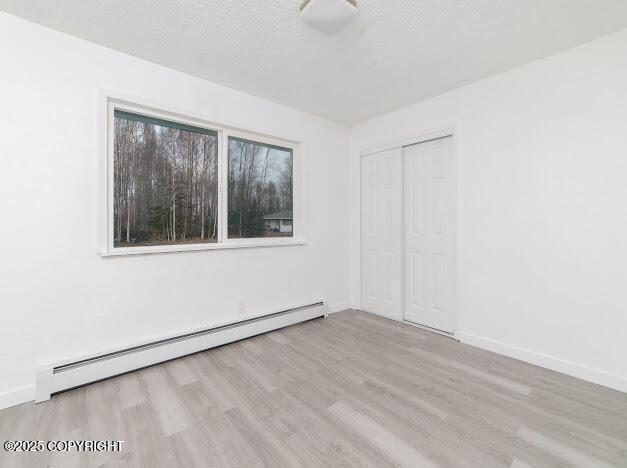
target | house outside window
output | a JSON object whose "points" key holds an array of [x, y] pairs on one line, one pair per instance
{"points": [[279, 223]]}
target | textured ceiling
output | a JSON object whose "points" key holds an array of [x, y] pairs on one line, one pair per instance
{"points": [[395, 53]]}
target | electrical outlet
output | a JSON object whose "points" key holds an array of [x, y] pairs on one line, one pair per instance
{"points": [[242, 306]]}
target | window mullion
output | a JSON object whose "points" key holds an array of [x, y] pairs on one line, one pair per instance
{"points": [[222, 187]]}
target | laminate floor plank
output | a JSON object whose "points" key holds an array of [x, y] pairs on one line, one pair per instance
{"points": [[352, 390]]}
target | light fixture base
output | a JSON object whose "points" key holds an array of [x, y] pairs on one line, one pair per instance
{"points": [[328, 16]]}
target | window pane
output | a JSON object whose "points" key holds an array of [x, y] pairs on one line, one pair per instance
{"points": [[259, 190], [165, 182]]}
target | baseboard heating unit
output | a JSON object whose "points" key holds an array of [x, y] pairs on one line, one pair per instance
{"points": [[65, 375]]}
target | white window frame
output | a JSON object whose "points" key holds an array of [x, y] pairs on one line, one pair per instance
{"points": [[111, 101]]}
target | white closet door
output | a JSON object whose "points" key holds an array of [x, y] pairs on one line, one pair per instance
{"points": [[430, 198], [381, 235]]}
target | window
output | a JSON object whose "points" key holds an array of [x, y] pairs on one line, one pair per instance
{"points": [[260, 190], [173, 183], [165, 182]]}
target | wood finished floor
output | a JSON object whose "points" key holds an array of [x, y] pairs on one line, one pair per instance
{"points": [[350, 390]]}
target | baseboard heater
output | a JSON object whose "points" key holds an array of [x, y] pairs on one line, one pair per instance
{"points": [[66, 375]]}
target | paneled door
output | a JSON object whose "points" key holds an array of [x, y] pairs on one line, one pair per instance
{"points": [[430, 200], [381, 233]]}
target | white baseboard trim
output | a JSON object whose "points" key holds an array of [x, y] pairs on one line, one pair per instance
{"points": [[355, 305], [339, 307], [17, 396], [573, 369]]}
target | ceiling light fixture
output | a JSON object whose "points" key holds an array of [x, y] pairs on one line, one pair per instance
{"points": [[328, 16]]}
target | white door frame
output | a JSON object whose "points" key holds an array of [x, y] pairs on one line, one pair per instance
{"points": [[448, 132]]}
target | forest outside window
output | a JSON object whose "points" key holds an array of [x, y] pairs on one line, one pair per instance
{"points": [[165, 182], [172, 184]]}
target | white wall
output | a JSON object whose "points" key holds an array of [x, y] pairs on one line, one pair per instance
{"points": [[543, 222], [58, 298]]}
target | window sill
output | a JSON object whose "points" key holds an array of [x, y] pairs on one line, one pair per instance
{"points": [[229, 245]]}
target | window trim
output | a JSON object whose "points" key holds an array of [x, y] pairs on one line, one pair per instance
{"points": [[110, 101]]}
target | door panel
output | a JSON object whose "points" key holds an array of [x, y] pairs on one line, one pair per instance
{"points": [[429, 242], [381, 234]]}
